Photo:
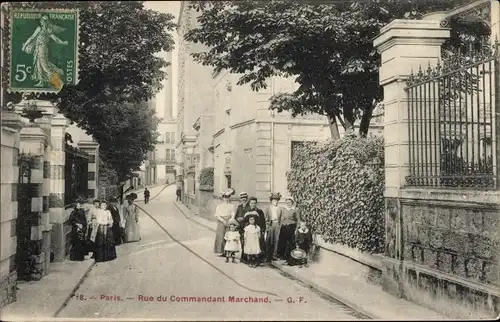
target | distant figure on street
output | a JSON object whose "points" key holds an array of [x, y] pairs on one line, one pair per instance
{"points": [[178, 193], [166, 182], [104, 242], [131, 215], [146, 195], [289, 219], [78, 222], [92, 227], [273, 217], [242, 209], [252, 237], [223, 213], [233, 241], [117, 220]]}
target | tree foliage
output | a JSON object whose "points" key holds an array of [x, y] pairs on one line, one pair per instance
{"points": [[118, 72], [327, 47], [339, 187], [126, 132]]}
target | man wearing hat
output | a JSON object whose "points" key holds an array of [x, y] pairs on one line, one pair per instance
{"points": [[115, 213], [260, 221], [242, 209], [273, 218]]}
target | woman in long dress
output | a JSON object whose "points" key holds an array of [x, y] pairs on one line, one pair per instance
{"points": [[131, 216], [78, 222], [104, 243], [224, 212], [289, 218], [44, 71]]}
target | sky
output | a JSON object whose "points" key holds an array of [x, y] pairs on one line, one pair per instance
{"points": [[171, 7]]}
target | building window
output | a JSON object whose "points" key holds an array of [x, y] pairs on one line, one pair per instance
{"points": [[170, 155], [228, 181], [170, 137]]}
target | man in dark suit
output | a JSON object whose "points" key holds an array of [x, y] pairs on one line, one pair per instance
{"points": [[117, 220], [261, 222], [242, 209]]}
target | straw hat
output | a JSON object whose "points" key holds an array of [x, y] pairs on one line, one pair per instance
{"points": [[275, 196], [298, 253], [228, 193]]}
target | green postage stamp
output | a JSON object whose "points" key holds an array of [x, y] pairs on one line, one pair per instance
{"points": [[43, 50]]}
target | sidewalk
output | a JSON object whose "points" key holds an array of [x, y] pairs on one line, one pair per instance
{"points": [[361, 296], [44, 299]]}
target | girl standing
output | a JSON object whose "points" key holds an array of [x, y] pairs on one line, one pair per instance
{"points": [[232, 239], [224, 212], [289, 219], [105, 248], [252, 234]]}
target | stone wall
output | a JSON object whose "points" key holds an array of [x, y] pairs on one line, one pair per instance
{"points": [[451, 253], [9, 155]]}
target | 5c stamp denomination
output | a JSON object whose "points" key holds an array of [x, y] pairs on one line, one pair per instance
{"points": [[43, 50]]}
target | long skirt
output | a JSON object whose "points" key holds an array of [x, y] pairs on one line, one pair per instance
{"points": [[273, 233], [132, 231], [89, 244], [117, 233], [219, 238], [78, 245], [105, 247], [286, 241]]}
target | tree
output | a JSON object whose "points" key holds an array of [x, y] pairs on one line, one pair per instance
{"points": [[118, 72], [126, 132], [328, 48]]}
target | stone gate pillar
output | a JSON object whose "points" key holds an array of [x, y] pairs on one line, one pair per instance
{"points": [[34, 142], [404, 45], [11, 125], [56, 197]]}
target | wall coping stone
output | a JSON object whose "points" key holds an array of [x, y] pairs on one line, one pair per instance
{"points": [[462, 196], [452, 278], [365, 258]]}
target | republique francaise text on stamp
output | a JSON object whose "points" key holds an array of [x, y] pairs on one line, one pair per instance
{"points": [[43, 50]]}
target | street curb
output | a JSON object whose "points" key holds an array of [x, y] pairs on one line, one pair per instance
{"points": [[327, 292], [73, 291], [193, 218]]}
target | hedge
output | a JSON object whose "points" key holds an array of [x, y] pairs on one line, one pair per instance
{"points": [[207, 177], [339, 187]]}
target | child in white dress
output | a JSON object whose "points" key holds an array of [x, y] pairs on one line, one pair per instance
{"points": [[252, 244], [233, 243]]}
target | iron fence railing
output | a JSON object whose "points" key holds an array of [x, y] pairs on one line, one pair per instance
{"points": [[452, 123]]}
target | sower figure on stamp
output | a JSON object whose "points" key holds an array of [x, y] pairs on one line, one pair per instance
{"points": [[242, 209], [273, 217]]}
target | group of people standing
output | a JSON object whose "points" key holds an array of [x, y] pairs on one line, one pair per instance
{"points": [[260, 236], [100, 229]]}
